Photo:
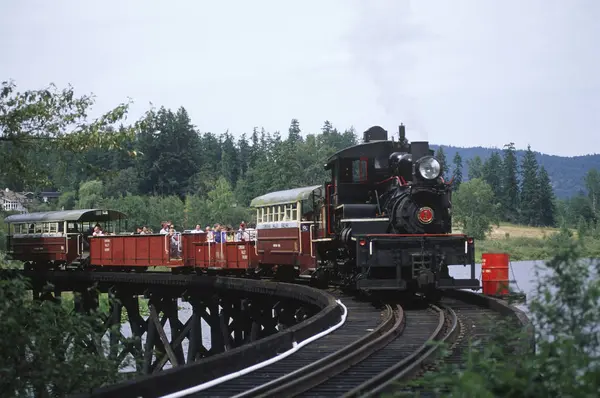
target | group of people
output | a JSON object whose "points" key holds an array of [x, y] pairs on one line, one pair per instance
{"points": [[224, 233], [217, 234]]}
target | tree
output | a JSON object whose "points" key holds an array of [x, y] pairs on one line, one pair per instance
{"points": [[592, 183], [90, 194], [457, 172], [530, 190], [510, 183], [44, 343], [441, 156], [49, 120], [221, 206], [475, 168], [547, 206], [171, 152], [294, 132], [492, 173], [475, 209]]}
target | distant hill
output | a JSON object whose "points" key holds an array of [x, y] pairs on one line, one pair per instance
{"points": [[566, 173]]}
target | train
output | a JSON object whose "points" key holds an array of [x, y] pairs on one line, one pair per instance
{"points": [[383, 222]]}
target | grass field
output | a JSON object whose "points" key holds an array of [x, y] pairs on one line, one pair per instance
{"points": [[527, 243], [520, 231]]}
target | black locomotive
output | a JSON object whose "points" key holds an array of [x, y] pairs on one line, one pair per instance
{"points": [[388, 211]]}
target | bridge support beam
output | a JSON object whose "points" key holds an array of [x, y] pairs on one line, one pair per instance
{"points": [[149, 328]]}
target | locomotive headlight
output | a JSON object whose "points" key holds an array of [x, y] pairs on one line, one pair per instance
{"points": [[429, 168]]}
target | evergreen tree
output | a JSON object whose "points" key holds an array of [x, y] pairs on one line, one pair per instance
{"points": [[457, 172], [475, 168], [530, 190], [547, 207], [510, 184], [441, 156], [492, 174], [294, 132], [592, 184], [230, 166]]}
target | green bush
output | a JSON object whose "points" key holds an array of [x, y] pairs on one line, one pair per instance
{"points": [[566, 315], [46, 348]]}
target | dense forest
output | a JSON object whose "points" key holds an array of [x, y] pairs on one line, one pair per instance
{"points": [[162, 167], [567, 174]]}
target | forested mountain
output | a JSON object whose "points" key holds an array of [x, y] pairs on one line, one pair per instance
{"points": [[566, 173]]}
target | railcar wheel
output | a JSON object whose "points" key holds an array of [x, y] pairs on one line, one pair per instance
{"points": [[433, 295]]}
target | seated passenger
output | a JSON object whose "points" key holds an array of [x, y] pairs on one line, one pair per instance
{"points": [[98, 231], [145, 231], [138, 231]]}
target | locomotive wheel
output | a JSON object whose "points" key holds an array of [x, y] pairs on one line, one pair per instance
{"points": [[320, 279]]}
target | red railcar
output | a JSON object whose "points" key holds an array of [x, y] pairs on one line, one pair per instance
{"points": [[285, 229], [56, 238], [240, 256], [283, 240]]}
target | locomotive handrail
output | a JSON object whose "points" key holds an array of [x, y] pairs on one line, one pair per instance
{"points": [[311, 235]]}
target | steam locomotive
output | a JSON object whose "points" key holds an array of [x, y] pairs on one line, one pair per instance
{"points": [[386, 219]]}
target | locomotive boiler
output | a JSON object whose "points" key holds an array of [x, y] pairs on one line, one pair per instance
{"points": [[388, 215]]}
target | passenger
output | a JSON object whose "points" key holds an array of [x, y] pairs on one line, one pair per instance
{"points": [[164, 228], [230, 235], [145, 231], [174, 239], [138, 231], [242, 235], [209, 234], [98, 231], [217, 233], [198, 230]]}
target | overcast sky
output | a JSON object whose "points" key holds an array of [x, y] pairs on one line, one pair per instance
{"points": [[458, 72]]}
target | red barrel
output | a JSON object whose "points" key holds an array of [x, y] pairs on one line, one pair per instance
{"points": [[494, 273]]}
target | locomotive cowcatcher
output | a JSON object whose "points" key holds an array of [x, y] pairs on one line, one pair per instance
{"points": [[385, 221]]}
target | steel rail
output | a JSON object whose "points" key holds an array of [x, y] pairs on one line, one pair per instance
{"points": [[410, 365], [316, 373]]}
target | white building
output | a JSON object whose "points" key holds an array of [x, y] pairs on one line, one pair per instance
{"points": [[13, 201]]}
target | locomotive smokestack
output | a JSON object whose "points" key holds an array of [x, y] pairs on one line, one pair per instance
{"points": [[402, 135]]}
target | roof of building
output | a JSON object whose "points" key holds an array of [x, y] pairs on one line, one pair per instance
{"points": [[287, 196], [82, 215], [11, 195]]}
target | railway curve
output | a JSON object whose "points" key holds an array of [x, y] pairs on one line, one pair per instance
{"points": [[399, 348]]}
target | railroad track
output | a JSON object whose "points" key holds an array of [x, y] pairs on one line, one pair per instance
{"points": [[398, 349], [364, 319], [394, 350]]}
